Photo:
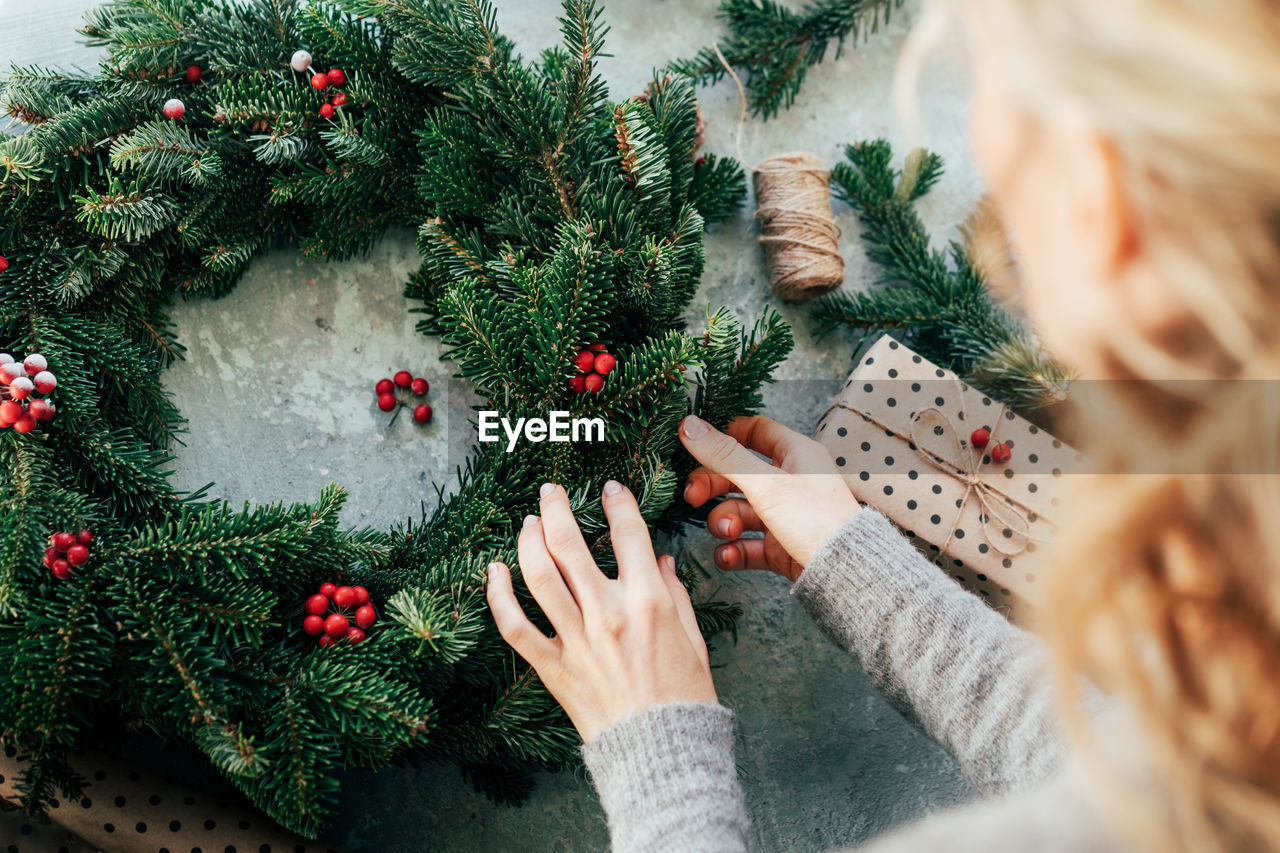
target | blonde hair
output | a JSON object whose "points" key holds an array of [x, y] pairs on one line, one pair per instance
{"points": [[1167, 591]]}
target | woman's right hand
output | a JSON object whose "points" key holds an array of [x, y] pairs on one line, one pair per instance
{"points": [[797, 499]]}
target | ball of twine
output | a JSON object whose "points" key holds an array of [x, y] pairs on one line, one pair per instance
{"points": [[797, 229]]}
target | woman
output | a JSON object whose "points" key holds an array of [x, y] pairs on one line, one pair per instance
{"points": [[1133, 147]]}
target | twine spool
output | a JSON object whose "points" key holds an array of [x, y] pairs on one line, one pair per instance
{"points": [[797, 229]]}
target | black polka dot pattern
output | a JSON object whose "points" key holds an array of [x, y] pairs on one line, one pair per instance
{"points": [[922, 488]]}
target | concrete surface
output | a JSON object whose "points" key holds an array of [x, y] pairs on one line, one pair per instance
{"points": [[277, 387]]}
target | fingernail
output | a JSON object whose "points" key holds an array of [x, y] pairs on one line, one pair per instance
{"points": [[687, 486], [722, 554], [611, 488], [723, 526], [546, 490], [493, 569], [668, 563], [694, 427], [530, 520]]}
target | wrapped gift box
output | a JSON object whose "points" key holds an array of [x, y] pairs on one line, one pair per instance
{"points": [[125, 808], [899, 431]]}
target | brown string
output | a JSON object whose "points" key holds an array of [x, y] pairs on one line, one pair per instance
{"points": [[797, 229], [793, 203]]}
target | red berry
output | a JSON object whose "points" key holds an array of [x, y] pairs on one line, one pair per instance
{"points": [[77, 555], [1001, 453], [605, 363], [21, 388], [64, 541], [403, 379], [594, 383], [419, 386], [61, 569], [328, 589], [50, 555], [354, 635], [175, 109], [336, 625], [384, 386], [596, 347], [41, 410], [24, 424], [10, 411], [584, 361], [326, 111], [386, 402], [45, 382], [979, 437], [193, 73], [84, 537], [366, 616], [344, 596], [4, 263], [326, 640], [338, 99], [700, 160], [313, 625], [35, 363], [578, 384], [320, 82], [317, 604], [362, 595], [422, 413], [337, 77]]}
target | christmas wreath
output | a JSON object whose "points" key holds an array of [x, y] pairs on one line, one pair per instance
{"points": [[550, 221]]}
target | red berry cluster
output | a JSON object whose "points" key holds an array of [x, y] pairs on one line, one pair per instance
{"points": [[387, 389], [65, 551], [595, 364], [333, 78], [21, 379], [1000, 452], [331, 627]]}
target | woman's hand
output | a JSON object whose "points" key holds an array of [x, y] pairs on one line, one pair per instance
{"points": [[620, 645], [797, 499]]}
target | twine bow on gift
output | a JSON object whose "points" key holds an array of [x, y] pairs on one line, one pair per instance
{"points": [[1012, 530]]}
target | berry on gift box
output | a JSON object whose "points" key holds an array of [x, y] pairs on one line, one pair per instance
{"points": [[1001, 453], [979, 437]]}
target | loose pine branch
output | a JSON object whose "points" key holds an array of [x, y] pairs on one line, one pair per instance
{"points": [[774, 46], [937, 303]]}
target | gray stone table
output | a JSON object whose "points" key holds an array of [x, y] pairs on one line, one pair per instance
{"points": [[276, 386]]}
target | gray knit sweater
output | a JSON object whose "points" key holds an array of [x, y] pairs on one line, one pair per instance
{"points": [[666, 775]]}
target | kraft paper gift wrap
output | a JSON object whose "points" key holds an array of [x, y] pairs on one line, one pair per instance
{"points": [[899, 433], [127, 809]]}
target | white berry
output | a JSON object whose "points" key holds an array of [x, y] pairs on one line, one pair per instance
{"points": [[12, 371], [45, 382], [5, 358], [174, 108], [301, 61], [21, 388], [35, 363]]}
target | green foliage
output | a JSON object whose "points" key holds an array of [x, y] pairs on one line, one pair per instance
{"points": [[548, 218], [775, 45], [937, 302]]}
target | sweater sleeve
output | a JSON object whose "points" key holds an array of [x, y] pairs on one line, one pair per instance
{"points": [[667, 781], [974, 682]]}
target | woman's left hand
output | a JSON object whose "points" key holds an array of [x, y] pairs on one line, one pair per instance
{"points": [[620, 646]]}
